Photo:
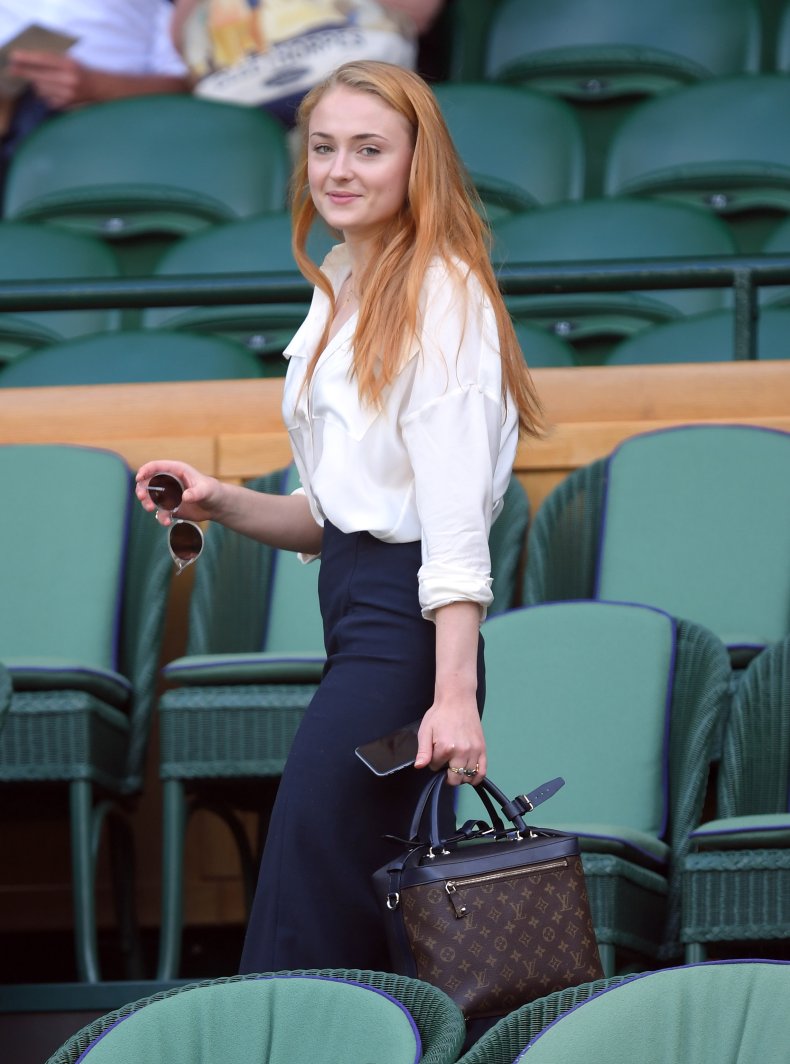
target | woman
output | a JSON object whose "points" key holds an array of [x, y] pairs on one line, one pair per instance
{"points": [[405, 394]]}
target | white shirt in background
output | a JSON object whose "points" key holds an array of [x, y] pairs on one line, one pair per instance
{"points": [[119, 36], [434, 463]]}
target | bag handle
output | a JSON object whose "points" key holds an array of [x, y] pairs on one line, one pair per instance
{"points": [[513, 810]]}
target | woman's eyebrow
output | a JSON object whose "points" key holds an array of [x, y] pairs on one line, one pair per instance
{"points": [[356, 136]]}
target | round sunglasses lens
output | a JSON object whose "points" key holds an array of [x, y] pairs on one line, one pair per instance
{"points": [[165, 491], [186, 541]]}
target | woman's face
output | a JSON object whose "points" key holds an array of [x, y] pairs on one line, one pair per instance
{"points": [[359, 157]]}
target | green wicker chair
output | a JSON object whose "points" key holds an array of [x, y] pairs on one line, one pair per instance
{"points": [[718, 145], [623, 703], [85, 576], [250, 245], [143, 171], [703, 338], [38, 253], [736, 877], [131, 355], [605, 57], [708, 1013], [496, 129], [255, 654], [691, 520], [598, 230], [335, 1016]]}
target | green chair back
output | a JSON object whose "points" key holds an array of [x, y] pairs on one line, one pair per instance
{"points": [[252, 245], [38, 253], [5, 693], [618, 48], [497, 130], [336, 1016], [294, 617], [718, 145], [728, 1012], [149, 166], [583, 691], [703, 338], [695, 522], [264, 1020], [131, 356], [61, 568], [543, 349], [602, 229]]}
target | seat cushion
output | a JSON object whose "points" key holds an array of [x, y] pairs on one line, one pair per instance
{"points": [[56, 674], [200, 669], [271, 1020], [771, 830], [720, 1012]]}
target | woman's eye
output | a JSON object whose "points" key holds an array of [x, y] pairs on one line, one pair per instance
{"points": [[369, 150], [321, 149]]}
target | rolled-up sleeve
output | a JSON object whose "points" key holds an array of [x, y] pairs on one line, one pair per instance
{"points": [[453, 430]]}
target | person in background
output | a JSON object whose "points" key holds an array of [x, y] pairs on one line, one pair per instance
{"points": [[269, 53], [405, 396], [123, 48]]}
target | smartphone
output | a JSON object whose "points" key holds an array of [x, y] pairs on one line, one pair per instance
{"points": [[391, 752]]}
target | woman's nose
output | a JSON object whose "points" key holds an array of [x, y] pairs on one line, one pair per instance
{"points": [[341, 166]]}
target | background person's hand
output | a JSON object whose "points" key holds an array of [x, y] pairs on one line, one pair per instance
{"points": [[58, 79]]}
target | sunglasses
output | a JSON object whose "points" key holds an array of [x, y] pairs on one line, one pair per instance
{"points": [[185, 538]]}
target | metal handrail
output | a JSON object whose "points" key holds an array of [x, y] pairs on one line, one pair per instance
{"points": [[743, 273]]}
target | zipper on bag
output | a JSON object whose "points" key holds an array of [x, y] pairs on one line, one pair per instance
{"points": [[452, 886]]}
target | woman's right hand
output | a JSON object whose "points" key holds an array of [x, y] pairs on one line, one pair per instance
{"points": [[201, 493]]}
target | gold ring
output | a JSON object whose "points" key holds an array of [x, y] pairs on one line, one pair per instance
{"points": [[458, 771]]}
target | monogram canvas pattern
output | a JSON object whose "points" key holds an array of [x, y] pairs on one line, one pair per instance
{"points": [[494, 942]]}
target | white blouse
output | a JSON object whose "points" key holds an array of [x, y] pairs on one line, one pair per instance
{"points": [[432, 464]]}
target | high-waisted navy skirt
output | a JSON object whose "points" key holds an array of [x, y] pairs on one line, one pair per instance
{"points": [[314, 905]]}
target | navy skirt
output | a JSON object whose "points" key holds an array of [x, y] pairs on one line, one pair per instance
{"points": [[314, 905]]}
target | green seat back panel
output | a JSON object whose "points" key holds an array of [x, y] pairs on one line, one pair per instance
{"points": [[580, 690], [135, 356], [697, 522], [720, 138], [599, 229], [36, 253], [141, 164], [704, 338], [294, 617], [62, 550], [716, 1013], [280, 1020], [596, 51], [495, 128]]}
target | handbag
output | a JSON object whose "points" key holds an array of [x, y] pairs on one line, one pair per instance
{"points": [[494, 915]]}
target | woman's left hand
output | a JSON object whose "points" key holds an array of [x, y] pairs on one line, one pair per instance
{"points": [[451, 735]]}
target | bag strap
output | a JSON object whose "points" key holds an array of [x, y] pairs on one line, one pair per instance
{"points": [[513, 810]]}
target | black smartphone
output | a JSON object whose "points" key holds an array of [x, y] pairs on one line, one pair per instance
{"points": [[391, 752]]}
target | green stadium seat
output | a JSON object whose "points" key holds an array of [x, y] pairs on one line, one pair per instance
{"points": [[143, 171], [131, 356], [522, 149], [85, 574], [719, 144], [609, 229], [703, 338], [33, 253]]}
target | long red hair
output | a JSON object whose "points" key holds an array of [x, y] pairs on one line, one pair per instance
{"points": [[441, 217]]}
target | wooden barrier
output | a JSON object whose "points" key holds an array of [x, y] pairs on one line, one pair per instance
{"points": [[234, 430]]}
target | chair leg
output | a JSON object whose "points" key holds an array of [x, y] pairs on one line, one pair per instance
{"points": [[83, 878], [695, 953], [173, 834], [122, 857], [606, 951]]}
